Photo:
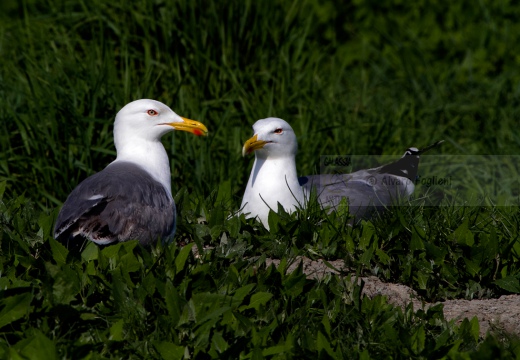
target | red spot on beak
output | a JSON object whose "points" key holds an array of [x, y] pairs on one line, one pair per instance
{"points": [[197, 132]]}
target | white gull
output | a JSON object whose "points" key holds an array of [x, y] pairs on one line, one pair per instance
{"points": [[274, 178], [131, 198]]}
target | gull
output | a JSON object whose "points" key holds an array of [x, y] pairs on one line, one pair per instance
{"points": [[131, 198], [274, 178]]}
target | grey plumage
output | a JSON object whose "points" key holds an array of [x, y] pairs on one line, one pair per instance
{"points": [[367, 190], [120, 203], [131, 198], [274, 179]]}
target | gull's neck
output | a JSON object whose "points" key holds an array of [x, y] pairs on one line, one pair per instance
{"points": [[272, 181], [150, 155]]}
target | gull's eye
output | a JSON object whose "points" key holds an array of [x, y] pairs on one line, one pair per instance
{"points": [[152, 112], [278, 131]]}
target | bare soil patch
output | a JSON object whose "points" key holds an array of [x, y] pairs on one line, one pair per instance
{"points": [[498, 316]]}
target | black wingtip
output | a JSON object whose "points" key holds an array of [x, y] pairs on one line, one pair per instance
{"points": [[407, 165], [429, 147]]}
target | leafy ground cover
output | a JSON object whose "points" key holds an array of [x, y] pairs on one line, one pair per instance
{"points": [[358, 78]]}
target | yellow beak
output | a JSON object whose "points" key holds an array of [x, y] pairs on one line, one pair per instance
{"points": [[191, 126], [252, 145]]}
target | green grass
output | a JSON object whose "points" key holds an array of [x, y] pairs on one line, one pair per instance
{"points": [[354, 79]]}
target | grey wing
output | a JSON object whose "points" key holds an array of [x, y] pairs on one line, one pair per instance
{"points": [[368, 190], [364, 191], [118, 204]]}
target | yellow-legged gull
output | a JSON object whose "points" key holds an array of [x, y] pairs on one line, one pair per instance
{"points": [[131, 198]]}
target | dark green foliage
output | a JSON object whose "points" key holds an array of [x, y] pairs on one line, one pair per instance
{"points": [[226, 302], [129, 301], [360, 77]]}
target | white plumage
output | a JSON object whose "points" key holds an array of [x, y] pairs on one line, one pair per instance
{"points": [[274, 178], [131, 198]]}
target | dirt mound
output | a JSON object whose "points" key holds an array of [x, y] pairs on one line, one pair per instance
{"points": [[500, 315]]}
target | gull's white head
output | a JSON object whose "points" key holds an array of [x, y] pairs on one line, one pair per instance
{"points": [[149, 120], [138, 129], [273, 138]]}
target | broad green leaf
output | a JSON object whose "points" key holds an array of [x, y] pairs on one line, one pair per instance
{"points": [[224, 191], [169, 350], [366, 258], [180, 260], [442, 339], [149, 283], [21, 241], [242, 292], [489, 245], [436, 252], [322, 343], [469, 330], [475, 328], [509, 283], [46, 222], [14, 308], [382, 256], [201, 334], [256, 354], [189, 314], [364, 355], [282, 267], [257, 300], [173, 301], [326, 323], [91, 268], [273, 350], [66, 285], [91, 252], [129, 263], [219, 343], [119, 288], [349, 243], [473, 268], [368, 232], [4, 283], [59, 252], [516, 245], [462, 235], [201, 231], [216, 231], [112, 250], [273, 219], [14, 355], [88, 316], [116, 330], [416, 242], [233, 226], [37, 347], [293, 285], [3, 185], [422, 280], [213, 316], [417, 340]]}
